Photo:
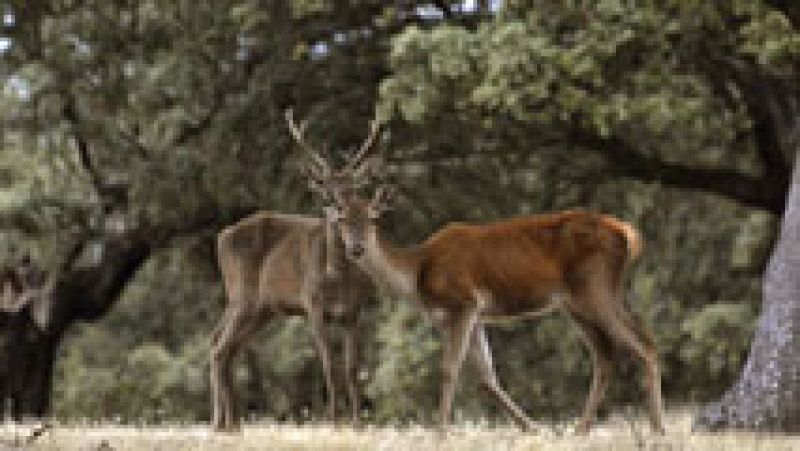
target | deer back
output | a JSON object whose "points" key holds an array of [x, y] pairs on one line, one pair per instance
{"points": [[521, 261], [278, 261]]}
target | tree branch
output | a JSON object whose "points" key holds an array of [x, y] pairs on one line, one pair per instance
{"points": [[87, 292], [191, 131], [113, 194], [758, 192], [131, 139], [790, 8], [770, 101], [444, 7], [23, 216], [71, 115]]}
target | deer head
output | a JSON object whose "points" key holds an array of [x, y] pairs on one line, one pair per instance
{"points": [[334, 185], [356, 218]]}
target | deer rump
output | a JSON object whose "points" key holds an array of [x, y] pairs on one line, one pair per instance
{"points": [[522, 266]]}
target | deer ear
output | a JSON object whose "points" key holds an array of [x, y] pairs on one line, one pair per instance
{"points": [[374, 213], [382, 200], [316, 186], [389, 196], [333, 212]]}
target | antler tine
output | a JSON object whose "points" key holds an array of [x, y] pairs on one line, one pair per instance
{"points": [[354, 162], [371, 169], [360, 175], [297, 133]]}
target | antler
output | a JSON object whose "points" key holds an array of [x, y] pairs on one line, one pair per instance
{"points": [[354, 165], [297, 132]]}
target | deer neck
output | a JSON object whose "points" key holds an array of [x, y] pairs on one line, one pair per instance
{"points": [[390, 266]]}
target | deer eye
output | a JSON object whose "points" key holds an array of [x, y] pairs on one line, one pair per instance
{"points": [[373, 214], [339, 212]]}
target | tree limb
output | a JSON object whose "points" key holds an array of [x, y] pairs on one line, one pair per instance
{"points": [[790, 8], [758, 192], [71, 115], [771, 102], [193, 130], [444, 7], [22, 216]]}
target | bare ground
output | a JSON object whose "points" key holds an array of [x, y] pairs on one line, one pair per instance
{"points": [[616, 433]]}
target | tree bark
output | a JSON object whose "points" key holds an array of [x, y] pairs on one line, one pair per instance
{"points": [[767, 395], [82, 293], [27, 364]]}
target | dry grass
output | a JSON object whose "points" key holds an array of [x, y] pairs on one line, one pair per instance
{"points": [[614, 434]]}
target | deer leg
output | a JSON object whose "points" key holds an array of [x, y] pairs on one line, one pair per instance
{"points": [[482, 355], [652, 377], [350, 370], [215, 377], [457, 331], [322, 342], [622, 327], [248, 325], [239, 325], [600, 350]]}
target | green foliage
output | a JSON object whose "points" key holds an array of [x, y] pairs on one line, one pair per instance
{"points": [[718, 337], [408, 350], [487, 116], [147, 383], [596, 68], [149, 363]]}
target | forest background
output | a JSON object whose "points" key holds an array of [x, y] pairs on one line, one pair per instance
{"points": [[166, 118]]}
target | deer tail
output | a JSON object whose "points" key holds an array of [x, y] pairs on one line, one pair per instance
{"points": [[632, 236]]}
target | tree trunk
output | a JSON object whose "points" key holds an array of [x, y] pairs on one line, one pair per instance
{"points": [[27, 367], [767, 395], [82, 292]]}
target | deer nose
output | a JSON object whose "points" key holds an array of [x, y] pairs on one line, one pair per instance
{"points": [[357, 251]]}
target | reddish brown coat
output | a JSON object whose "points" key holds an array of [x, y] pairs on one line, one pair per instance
{"points": [[522, 262]]}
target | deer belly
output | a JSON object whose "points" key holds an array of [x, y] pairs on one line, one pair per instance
{"points": [[494, 310]]}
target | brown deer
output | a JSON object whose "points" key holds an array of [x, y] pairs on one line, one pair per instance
{"points": [[280, 264], [468, 275]]}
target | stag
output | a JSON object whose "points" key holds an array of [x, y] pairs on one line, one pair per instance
{"points": [[469, 275], [281, 264]]}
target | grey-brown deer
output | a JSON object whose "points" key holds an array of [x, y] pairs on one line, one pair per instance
{"points": [[468, 275], [281, 264]]}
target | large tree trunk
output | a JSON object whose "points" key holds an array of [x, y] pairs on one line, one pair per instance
{"points": [[84, 289], [82, 292], [27, 362], [767, 395]]}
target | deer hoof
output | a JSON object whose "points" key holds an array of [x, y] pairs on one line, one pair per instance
{"points": [[582, 428], [528, 426]]}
